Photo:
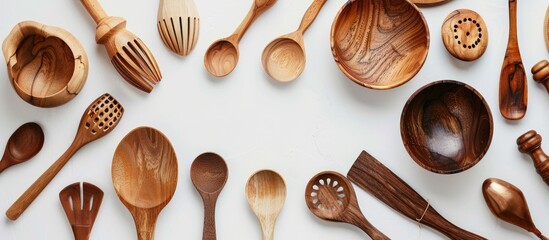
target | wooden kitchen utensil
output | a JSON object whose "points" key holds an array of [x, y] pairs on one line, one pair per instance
{"points": [[129, 55], [144, 175], [284, 58], [266, 193], [99, 119], [541, 73], [209, 174], [47, 66], [546, 28], [81, 205], [178, 25], [465, 35], [23, 144], [379, 44], [222, 56], [530, 143], [513, 87], [330, 196], [428, 2], [509, 204], [373, 177]]}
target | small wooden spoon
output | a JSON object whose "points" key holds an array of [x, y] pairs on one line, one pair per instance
{"points": [[508, 203], [81, 205], [222, 56], [23, 144], [209, 174], [144, 175], [284, 58], [330, 196], [266, 193]]}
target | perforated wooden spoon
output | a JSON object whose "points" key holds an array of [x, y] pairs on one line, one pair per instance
{"points": [[100, 118], [266, 193], [23, 144], [178, 25], [81, 205]]}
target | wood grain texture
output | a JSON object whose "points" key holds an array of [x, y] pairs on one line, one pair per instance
{"points": [[546, 28], [81, 205], [541, 73], [379, 44], [99, 119], [47, 66], [266, 193], [373, 177], [330, 196], [446, 127], [178, 25], [144, 175], [513, 87], [530, 143], [22, 145], [464, 34], [429, 2]]}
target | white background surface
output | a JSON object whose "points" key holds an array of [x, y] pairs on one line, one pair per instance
{"points": [[320, 122]]}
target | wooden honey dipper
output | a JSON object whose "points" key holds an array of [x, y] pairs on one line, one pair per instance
{"points": [[541, 73], [530, 143]]}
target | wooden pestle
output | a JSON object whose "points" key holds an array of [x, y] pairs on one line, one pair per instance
{"points": [[541, 73], [530, 143]]}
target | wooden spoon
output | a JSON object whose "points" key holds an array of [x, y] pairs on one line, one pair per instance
{"points": [[178, 25], [266, 193], [81, 205], [508, 203], [513, 88], [330, 196], [99, 119], [144, 175], [23, 144], [209, 174], [222, 56], [284, 58], [546, 28]]}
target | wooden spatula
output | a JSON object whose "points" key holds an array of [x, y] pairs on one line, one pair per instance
{"points": [[81, 204]]}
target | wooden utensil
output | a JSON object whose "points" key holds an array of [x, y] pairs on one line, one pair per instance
{"points": [[530, 143], [144, 175], [47, 66], [99, 119], [209, 174], [541, 73], [222, 56], [546, 28], [129, 55], [284, 58], [373, 177], [379, 44], [423, 3], [446, 127], [508, 203], [178, 25], [330, 196], [23, 144], [81, 205], [266, 193], [465, 35], [513, 88]]}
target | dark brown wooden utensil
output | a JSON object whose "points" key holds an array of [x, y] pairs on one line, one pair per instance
{"points": [[330, 196], [530, 143], [541, 73], [373, 177], [513, 87], [81, 205], [23, 144]]}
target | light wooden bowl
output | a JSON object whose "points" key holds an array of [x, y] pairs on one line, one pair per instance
{"points": [[47, 65]]}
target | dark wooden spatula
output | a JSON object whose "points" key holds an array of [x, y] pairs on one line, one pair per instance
{"points": [[81, 204]]}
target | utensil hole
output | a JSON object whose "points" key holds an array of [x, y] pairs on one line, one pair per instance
{"points": [[341, 195], [335, 184], [340, 189], [315, 201], [315, 187], [339, 202], [328, 180], [314, 194], [321, 181]]}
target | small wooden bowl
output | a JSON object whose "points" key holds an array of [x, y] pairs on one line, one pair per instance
{"points": [[380, 44], [446, 127], [47, 65]]}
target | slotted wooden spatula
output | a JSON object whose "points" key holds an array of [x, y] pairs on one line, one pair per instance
{"points": [[81, 204]]}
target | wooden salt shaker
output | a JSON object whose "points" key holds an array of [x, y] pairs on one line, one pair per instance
{"points": [[530, 143]]}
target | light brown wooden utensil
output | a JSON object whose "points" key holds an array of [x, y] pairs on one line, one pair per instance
{"points": [[266, 193], [513, 87], [23, 144], [144, 175], [508, 203], [222, 56], [100, 118], [465, 35], [284, 58], [530, 143], [330, 196], [178, 25], [209, 174], [129, 55], [546, 28], [541, 73], [81, 205]]}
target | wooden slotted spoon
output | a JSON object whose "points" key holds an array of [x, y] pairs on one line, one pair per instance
{"points": [[178, 25], [81, 204]]}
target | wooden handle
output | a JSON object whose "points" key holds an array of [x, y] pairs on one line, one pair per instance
{"points": [[95, 10], [5, 162], [267, 230], [255, 11], [208, 232], [541, 73], [513, 22], [81, 232], [310, 15], [145, 223], [354, 216], [530, 143]]}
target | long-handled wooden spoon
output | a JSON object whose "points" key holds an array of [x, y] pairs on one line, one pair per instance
{"points": [[23, 144], [209, 174], [100, 118], [284, 58], [513, 88], [178, 25], [266, 193], [144, 175], [81, 205], [330, 196], [222, 56], [508, 203]]}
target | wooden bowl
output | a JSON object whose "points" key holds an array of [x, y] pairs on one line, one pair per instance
{"points": [[380, 44], [47, 65], [446, 127]]}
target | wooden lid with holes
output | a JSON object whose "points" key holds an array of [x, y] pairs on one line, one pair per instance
{"points": [[465, 35]]}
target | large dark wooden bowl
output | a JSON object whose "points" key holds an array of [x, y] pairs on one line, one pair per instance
{"points": [[446, 127]]}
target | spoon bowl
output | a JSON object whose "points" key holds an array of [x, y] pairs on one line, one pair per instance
{"points": [[23, 144], [221, 57], [284, 58]]}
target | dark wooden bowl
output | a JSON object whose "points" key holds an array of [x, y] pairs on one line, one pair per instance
{"points": [[380, 44], [446, 126]]}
